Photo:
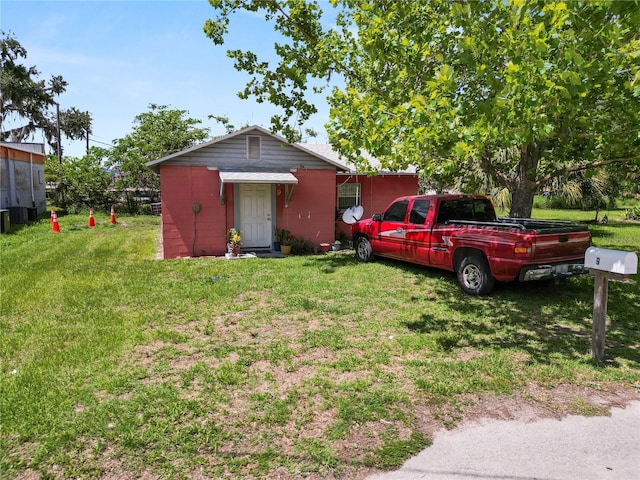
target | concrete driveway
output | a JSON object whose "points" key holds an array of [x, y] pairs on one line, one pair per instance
{"points": [[574, 448]]}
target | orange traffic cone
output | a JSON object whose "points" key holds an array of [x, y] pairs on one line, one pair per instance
{"points": [[92, 221], [55, 226], [113, 215]]}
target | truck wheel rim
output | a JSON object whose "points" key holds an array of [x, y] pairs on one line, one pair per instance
{"points": [[362, 249], [472, 276]]}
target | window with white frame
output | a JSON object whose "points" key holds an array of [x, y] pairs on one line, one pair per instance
{"points": [[254, 147], [348, 195]]}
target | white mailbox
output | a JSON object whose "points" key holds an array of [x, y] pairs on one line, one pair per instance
{"points": [[614, 261]]}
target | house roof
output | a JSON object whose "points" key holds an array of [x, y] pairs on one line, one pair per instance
{"points": [[23, 152], [326, 150], [154, 164], [25, 146]]}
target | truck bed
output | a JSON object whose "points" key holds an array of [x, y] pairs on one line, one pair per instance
{"points": [[527, 224]]}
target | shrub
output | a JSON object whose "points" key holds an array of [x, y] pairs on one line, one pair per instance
{"points": [[144, 209], [633, 213], [301, 246]]}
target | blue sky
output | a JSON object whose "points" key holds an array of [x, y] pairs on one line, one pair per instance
{"points": [[120, 56]]}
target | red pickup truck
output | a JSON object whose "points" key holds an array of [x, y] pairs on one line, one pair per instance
{"points": [[462, 234]]}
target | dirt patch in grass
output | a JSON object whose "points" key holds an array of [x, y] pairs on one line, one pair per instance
{"points": [[566, 399], [535, 402], [114, 469]]}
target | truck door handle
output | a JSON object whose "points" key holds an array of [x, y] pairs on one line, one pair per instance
{"points": [[563, 238]]}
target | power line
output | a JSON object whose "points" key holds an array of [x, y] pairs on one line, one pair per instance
{"points": [[98, 136], [101, 143]]}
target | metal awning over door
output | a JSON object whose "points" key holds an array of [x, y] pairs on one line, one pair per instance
{"points": [[258, 177], [285, 178]]}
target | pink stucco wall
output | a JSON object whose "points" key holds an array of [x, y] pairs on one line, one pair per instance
{"points": [[310, 214], [311, 211], [381, 190], [184, 232]]}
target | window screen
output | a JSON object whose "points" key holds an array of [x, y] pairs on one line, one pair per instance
{"points": [[348, 195]]}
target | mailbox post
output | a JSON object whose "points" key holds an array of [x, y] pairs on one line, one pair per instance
{"points": [[606, 265]]}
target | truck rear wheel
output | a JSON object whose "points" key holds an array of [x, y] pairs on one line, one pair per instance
{"points": [[474, 276], [364, 253]]}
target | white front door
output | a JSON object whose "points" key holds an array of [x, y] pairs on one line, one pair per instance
{"points": [[255, 215]]}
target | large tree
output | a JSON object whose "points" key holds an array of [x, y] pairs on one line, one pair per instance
{"points": [[31, 102], [157, 133], [513, 91]]}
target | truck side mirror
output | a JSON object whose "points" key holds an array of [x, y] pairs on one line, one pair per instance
{"points": [[377, 217]]}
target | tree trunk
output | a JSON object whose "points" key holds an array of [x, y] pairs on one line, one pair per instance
{"points": [[524, 186], [522, 202]]}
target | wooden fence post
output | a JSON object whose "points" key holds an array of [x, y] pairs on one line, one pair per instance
{"points": [[600, 298]]}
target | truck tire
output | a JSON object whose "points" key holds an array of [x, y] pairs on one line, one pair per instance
{"points": [[364, 253], [474, 275]]}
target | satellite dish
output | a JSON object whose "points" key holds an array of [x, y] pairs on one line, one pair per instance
{"points": [[352, 214]]}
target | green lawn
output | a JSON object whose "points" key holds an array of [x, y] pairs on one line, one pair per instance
{"points": [[114, 363]]}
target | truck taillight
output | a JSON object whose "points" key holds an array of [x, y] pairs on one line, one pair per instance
{"points": [[522, 249]]}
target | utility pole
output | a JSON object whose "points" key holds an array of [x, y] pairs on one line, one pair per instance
{"points": [[58, 132]]}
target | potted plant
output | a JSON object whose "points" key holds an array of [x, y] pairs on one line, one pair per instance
{"points": [[324, 247], [285, 242], [277, 237], [234, 240]]}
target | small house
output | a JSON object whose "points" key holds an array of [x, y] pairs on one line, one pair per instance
{"points": [[256, 181]]}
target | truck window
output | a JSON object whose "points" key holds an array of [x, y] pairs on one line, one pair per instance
{"points": [[476, 210], [447, 211], [483, 211], [419, 212], [396, 212], [465, 209]]}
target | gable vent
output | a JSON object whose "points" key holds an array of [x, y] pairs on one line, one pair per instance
{"points": [[253, 148]]}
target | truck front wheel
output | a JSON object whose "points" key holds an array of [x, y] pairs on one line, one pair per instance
{"points": [[474, 276], [364, 253]]}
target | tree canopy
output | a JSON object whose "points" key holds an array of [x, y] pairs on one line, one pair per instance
{"points": [[157, 133], [26, 98], [511, 92], [85, 182]]}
